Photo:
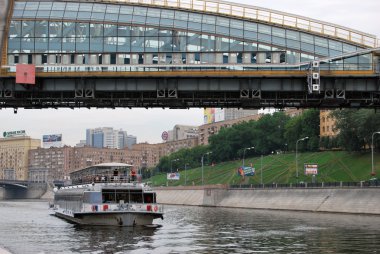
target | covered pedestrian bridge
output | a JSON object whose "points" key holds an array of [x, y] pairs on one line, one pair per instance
{"points": [[180, 54]]}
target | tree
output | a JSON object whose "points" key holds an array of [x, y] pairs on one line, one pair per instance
{"points": [[305, 125], [356, 128]]}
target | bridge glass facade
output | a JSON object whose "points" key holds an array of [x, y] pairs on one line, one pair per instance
{"points": [[60, 33]]}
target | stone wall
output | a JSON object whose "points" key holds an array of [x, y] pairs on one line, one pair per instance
{"points": [[339, 200]]}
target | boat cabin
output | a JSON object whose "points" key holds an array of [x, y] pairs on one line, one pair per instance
{"points": [[105, 172]]}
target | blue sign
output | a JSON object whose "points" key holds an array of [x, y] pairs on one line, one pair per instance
{"points": [[246, 171]]}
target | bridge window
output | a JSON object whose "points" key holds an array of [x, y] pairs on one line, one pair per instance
{"points": [[278, 41], [98, 12], [68, 29], [15, 28], [18, 9], [55, 29], [93, 38], [321, 51], [28, 29], [349, 48], [307, 47], [208, 24]]}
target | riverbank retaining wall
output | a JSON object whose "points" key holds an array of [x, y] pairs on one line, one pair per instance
{"points": [[336, 200]]}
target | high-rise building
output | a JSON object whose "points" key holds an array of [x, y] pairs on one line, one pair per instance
{"points": [[98, 138], [181, 132], [106, 137], [131, 140], [90, 137], [14, 156]]}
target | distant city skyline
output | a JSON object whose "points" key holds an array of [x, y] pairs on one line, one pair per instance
{"points": [[148, 124]]}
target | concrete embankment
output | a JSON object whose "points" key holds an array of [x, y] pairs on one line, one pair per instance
{"points": [[335, 200]]}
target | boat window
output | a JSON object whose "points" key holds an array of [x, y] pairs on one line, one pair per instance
{"points": [[108, 196], [122, 196], [136, 196], [92, 197], [149, 198]]}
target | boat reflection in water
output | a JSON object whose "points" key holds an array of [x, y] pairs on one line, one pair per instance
{"points": [[107, 194]]}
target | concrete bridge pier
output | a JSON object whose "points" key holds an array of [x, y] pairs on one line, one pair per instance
{"points": [[32, 191]]}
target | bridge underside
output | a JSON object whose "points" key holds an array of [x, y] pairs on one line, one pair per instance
{"points": [[180, 92]]}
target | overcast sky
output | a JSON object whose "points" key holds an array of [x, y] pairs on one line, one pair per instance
{"points": [[148, 125]]}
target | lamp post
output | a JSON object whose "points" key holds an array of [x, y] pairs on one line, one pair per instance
{"points": [[261, 175], [202, 164], [171, 165], [301, 139], [186, 173], [373, 173], [248, 148]]}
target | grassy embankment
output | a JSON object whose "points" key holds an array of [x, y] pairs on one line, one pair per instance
{"points": [[333, 167]]}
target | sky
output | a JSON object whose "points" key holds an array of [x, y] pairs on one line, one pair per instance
{"points": [[148, 124]]}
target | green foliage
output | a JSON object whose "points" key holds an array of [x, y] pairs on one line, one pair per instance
{"points": [[305, 125], [356, 128], [334, 166], [268, 135], [189, 156]]}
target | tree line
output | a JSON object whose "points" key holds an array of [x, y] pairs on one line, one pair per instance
{"points": [[279, 133]]}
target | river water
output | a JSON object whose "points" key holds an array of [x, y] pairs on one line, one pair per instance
{"points": [[28, 227]]}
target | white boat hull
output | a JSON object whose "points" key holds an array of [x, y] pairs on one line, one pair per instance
{"points": [[111, 218]]}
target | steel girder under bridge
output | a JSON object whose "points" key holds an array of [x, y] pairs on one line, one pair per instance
{"points": [[178, 89], [178, 92], [313, 84]]}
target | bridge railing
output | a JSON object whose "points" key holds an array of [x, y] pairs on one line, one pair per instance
{"points": [[334, 66], [362, 184], [263, 15]]}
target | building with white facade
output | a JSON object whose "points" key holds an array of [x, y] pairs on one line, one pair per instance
{"points": [[181, 132], [106, 137], [215, 115]]}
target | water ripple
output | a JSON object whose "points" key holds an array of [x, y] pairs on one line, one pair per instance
{"points": [[27, 227]]}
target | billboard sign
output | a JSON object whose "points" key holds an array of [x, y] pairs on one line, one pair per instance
{"points": [[311, 169], [209, 115], [246, 171], [54, 140], [26, 74], [165, 136], [9, 134], [173, 176]]}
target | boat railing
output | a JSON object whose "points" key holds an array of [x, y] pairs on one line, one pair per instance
{"points": [[119, 179], [114, 207]]}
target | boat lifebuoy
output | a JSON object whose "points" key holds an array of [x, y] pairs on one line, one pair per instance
{"points": [[155, 208]]}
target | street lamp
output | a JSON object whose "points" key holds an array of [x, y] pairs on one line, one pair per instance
{"points": [[261, 175], [373, 173], [202, 165], [248, 148], [186, 173], [171, 165], [302, 139]]}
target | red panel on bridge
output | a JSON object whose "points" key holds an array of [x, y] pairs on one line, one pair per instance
{"points": [[26, 74]]}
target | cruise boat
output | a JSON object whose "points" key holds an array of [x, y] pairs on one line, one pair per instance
{"points": [[107, 194]]}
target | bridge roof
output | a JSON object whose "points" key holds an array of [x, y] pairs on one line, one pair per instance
{"points": [[258, 14]]}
